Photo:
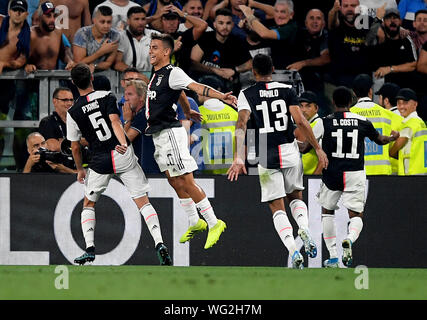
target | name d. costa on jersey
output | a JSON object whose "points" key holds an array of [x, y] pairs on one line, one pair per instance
{"points": [[345, 122]]}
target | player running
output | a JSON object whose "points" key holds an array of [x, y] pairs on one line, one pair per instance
{"points": [[170, 138], [96, 117], [268, 107], [343, 134]]}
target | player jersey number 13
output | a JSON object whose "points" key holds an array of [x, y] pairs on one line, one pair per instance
{"points": [[279, 109]]}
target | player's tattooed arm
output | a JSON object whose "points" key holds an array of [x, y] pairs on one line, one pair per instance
{"points": [[238, 165], [240, 133], [207, 91]]}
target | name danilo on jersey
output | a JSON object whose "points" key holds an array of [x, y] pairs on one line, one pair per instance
{"points": [[269, 93]]}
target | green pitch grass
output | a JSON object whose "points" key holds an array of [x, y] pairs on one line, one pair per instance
{"points": [[203, 283]]}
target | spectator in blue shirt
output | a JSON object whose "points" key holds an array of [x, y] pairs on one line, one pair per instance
{"points": [[135, 123], [407, 9]]}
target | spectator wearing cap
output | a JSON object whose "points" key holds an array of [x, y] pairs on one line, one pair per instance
{"points": [[409, 148], [377, 158], [47, 44], [97, 45], [15, 38], [372, 7], [78, 15], [184, 41], [309, 107], [135, 42], [120, 9], [395, 57], [387, 96]]}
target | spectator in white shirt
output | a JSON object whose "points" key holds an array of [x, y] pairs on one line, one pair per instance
{"points": [[135, 55]]}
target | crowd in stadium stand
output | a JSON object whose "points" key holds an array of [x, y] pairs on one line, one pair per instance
{"points": [[318, 45]]}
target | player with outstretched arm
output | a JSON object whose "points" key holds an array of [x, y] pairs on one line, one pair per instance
{"points": [[269, 106], [343, 139], [170, 138]]}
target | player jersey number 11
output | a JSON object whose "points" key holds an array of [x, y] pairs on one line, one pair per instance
{"points": [[339, 153]]}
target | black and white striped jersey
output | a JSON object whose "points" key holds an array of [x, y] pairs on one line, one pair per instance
{"points": [[89, 118], [163, 92], [269, 104], [343, 140]]}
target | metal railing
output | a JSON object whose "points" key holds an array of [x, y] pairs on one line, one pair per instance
{"points": [[48, 82]]}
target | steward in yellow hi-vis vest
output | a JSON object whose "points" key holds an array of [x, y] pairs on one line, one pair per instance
{"points": [[309, 159], [309, 108], [411, 146], [377, 158], [412, 159], [218, 145]]}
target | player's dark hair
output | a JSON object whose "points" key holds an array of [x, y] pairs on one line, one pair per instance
{"points": [[58, 90], [101, 82], [223, 12], [81, 76], [134, 10], [361, 85], [262, 64], [166, 39], [104, 11], [342, 97]]}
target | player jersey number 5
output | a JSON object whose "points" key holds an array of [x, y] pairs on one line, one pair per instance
{"points": [[279, 108], [339, 135], [100, 125]]}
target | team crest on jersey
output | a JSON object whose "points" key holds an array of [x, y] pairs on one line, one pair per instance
{"points": [[159, 80]]}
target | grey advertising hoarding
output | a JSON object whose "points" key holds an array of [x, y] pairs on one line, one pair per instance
{"points": [[40, 223]]}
